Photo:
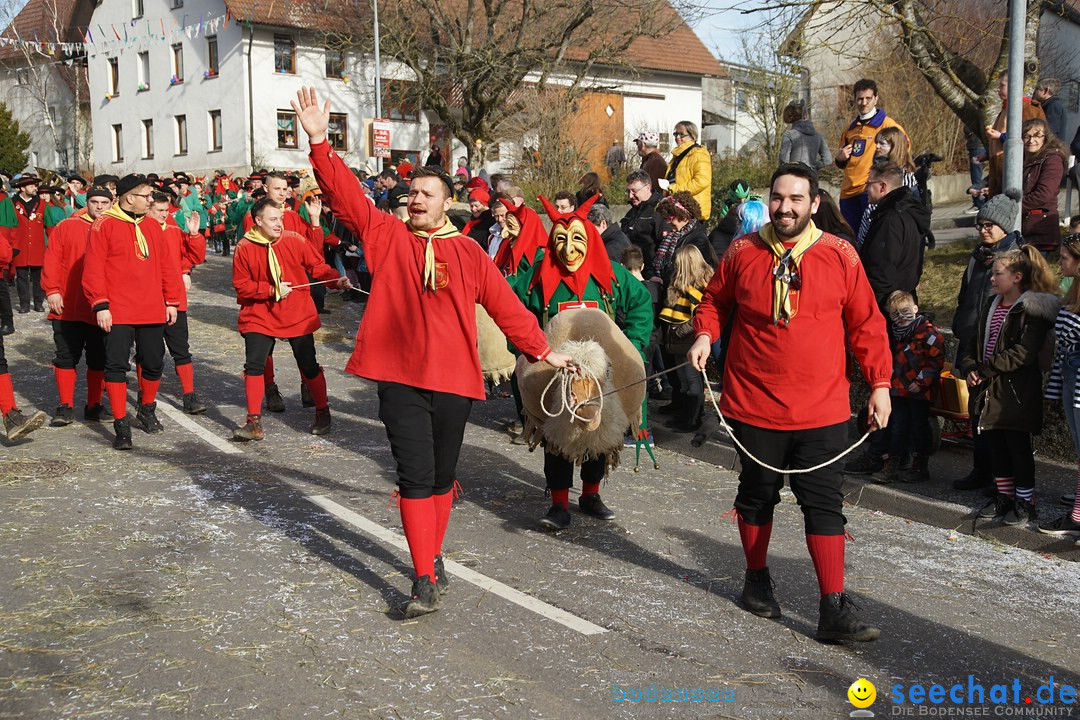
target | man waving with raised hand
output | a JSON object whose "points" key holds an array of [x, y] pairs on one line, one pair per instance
{"points": [[427, 366]]}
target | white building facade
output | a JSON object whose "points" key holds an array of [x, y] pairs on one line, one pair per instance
{"points": [[191, 89]]}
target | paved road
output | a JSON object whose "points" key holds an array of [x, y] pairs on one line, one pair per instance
{"points": [[197, 578]]}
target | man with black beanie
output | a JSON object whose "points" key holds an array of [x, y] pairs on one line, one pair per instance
{"points": [[133, 287]]}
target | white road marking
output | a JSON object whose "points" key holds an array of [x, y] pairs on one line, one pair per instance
{"points": [[467, 574], [178, 417]]}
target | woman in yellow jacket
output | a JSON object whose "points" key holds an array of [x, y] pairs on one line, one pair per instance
{"points": [[690, 168]]}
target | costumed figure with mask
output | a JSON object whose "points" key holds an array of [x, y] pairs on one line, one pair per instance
{"points": [[576, 274]]}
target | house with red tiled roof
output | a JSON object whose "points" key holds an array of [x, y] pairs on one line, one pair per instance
{"points": [[43, 82], [199, 85]]}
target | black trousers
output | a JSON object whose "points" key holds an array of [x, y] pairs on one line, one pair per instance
{"points": [[909, 426], [559, 472], [176, 340], [1012, 456], [3, 358], [7, 316], [149, 348], [425, 429], [72, 339], [818, 493], [28, 282], [258, 347]]}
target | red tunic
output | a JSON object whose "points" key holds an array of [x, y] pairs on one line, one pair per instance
{"points": [[63, 270], [422, 339], [293, 316], [135, 290], [794, 377], [29, 236], [187, 252]]}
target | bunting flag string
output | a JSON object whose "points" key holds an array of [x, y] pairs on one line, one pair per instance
{"points": [[102, 42]]}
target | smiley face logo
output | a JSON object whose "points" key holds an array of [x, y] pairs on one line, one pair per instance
{"points": [[862, 693]]}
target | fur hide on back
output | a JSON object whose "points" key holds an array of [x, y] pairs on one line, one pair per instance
{"points": [[596, 344]]}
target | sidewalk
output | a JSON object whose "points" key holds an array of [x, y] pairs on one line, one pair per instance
{"points": [[951, 222], [934, 503]]}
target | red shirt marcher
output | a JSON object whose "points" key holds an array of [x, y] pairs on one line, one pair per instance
{"points": [[63, 270], [187, 251], [794, 377], [136, 291], [292, 316], [420, 338], [29, 236]]}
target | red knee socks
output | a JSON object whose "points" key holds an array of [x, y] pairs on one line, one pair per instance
{"points": [[827, 552], [418, 521], [317, 386], [186, 373], [755, 544], [254, 389], [268, 370], [117, 399], [95, 387], [7, 394], [65, 385], [561, 497], [443, 503], [148, 390], [589, 488]]}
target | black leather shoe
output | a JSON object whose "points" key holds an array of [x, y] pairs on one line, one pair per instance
{"points": [[122, 428], [147, 419], [305, 396], [64, 415], [7, 329], [593, 505], [557, 518], [441, 581], [193, 405], [757, 595], [274, 401], [838, 621], [424, 600], [97, 413]]}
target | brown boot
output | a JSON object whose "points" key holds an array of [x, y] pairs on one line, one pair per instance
{"points": [[252, 429], [321, 426]]}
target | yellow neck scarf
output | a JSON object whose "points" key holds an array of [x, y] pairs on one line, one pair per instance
{"points": [[447, 230], [275, 267], [785, 266], [142, 249]]}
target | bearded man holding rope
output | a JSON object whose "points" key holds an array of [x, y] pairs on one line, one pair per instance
{"points": [[796, 294]]}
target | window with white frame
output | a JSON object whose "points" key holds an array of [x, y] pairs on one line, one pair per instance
{"points": [[118, 143], [181, 135], [114, 76], [148, 139], [178, 62], [215, 130], [144, 70]]}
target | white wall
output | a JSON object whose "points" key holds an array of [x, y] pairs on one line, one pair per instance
{"points": [[24, 102], [162, 102], [246, 100]]}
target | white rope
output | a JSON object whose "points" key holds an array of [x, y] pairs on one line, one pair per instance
{"points": [[565, 376], [747, 453]]}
